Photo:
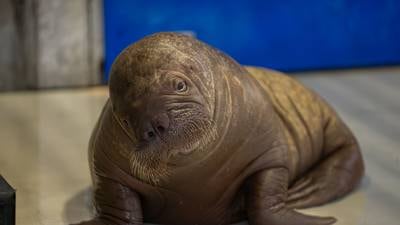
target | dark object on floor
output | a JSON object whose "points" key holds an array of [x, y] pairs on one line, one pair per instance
{"points": [[189, 136], [7, 203]]}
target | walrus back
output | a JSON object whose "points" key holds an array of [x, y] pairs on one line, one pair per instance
{"points": [[302, 114]]}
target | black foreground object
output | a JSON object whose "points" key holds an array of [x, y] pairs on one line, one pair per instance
{"points": [[7, 203]]}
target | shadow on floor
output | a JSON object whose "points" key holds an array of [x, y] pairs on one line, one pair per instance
{"points": [[79, 207]]}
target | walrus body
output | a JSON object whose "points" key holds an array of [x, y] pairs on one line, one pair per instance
{"points": [[231, 143]]}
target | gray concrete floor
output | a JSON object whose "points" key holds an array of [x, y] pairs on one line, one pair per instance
{"points": [[44, 135]]}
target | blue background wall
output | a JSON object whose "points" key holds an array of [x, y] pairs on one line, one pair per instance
{"points": [[285, 35]]}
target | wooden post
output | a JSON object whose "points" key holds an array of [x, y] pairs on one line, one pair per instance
{"points": [[50, 43]]}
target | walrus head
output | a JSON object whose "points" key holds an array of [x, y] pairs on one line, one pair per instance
{"points": [[163, 95]]}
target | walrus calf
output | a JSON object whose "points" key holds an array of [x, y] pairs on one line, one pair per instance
{"points": [[191, 137]]}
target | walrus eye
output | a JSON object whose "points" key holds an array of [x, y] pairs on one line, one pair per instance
{"points": [[181, 86]]}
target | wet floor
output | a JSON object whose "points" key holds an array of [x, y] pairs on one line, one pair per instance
{"points": [[44, 136]]}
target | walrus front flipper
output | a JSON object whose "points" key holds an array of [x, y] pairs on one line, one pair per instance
{"points": [[265, 201], [115, 204], [338, 174]]}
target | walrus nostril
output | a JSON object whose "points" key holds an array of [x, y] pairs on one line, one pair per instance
{"points": [[150, 134], [161, 123], [157, 126], [160, 129]]}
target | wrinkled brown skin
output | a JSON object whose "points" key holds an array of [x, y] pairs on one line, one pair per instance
{"points": [[277, 145]]}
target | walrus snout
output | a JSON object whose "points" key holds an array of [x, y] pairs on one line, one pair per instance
{"points": [[154, 126]]}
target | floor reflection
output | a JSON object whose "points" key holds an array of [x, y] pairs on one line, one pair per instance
{"points": [[79, 206]]}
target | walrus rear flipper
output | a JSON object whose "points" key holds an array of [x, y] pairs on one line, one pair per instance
{"points": [[337, 174], [265, 201]]}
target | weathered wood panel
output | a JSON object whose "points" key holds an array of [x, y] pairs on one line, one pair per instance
{"points": [[50, 43]]}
